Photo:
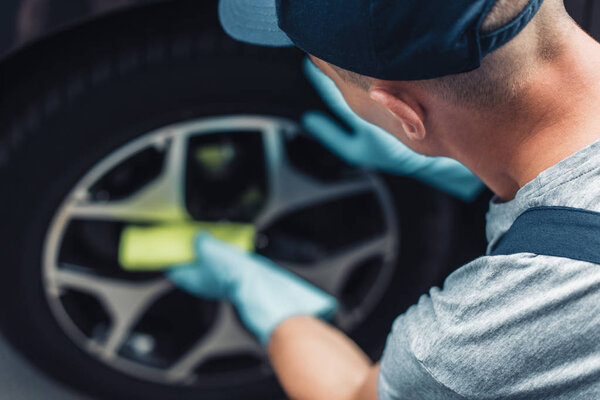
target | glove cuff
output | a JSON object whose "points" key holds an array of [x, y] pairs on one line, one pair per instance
{"points": [[279, 295]]}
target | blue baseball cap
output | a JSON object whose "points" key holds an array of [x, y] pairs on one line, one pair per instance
{"points": [[383, 39]]}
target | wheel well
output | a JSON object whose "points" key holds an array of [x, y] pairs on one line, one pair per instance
{"points": [[38, 78]]}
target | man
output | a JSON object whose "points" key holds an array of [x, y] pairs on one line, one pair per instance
{"points": [[510, 89]]}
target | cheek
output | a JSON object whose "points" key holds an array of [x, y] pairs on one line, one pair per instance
{"points": [[371, 111], [386, 121], [363, 106]]}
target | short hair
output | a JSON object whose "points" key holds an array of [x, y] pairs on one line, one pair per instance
{"points": [[352, 78], [502, 13], [496, 82]]}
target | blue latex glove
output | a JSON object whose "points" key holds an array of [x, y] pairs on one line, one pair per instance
{"points": [[263, 293], [371, 147]]}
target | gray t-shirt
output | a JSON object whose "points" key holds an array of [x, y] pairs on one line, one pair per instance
{"points": [[521, 326]]}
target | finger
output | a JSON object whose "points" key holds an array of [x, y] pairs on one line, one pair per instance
{"points": [[453, 177], [328, 132], [186, 277], [200, 280], [213, 251]]}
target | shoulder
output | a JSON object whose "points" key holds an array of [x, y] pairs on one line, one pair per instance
{"points": [[500, 321]]}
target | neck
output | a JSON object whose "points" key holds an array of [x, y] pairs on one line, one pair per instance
{"points": [[557, 116]]}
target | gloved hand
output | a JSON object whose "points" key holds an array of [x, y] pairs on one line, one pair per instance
{"points": [[263, 293], [372, 147]]}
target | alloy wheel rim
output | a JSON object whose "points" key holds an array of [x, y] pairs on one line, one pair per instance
{"points": [[163, 200]]}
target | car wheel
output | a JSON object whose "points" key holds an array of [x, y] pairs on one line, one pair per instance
{"points": [[167, 120]]}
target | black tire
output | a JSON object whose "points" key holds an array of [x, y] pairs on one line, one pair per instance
{"points": [[102, 85]]}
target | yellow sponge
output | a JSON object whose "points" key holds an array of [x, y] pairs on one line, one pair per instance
{"points": [[159, 247]]}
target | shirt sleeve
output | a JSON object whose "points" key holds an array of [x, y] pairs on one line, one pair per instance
{"points": [[402, 376], [502, 327]]}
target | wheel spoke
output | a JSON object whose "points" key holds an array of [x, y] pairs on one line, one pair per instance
{"points": [[126, 302], [163, 200], [331, 274], [226, 337], [290, 189]]}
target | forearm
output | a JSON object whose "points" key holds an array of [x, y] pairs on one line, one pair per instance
{"points": [[315, 361]]}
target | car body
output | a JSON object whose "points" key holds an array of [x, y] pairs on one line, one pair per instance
{"points": [[25, 21]]}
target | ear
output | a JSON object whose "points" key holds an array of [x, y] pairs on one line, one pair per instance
{"points": [[411, 121]]}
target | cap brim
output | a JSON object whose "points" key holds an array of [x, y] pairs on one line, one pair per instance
{"points": [[252, 21]]}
